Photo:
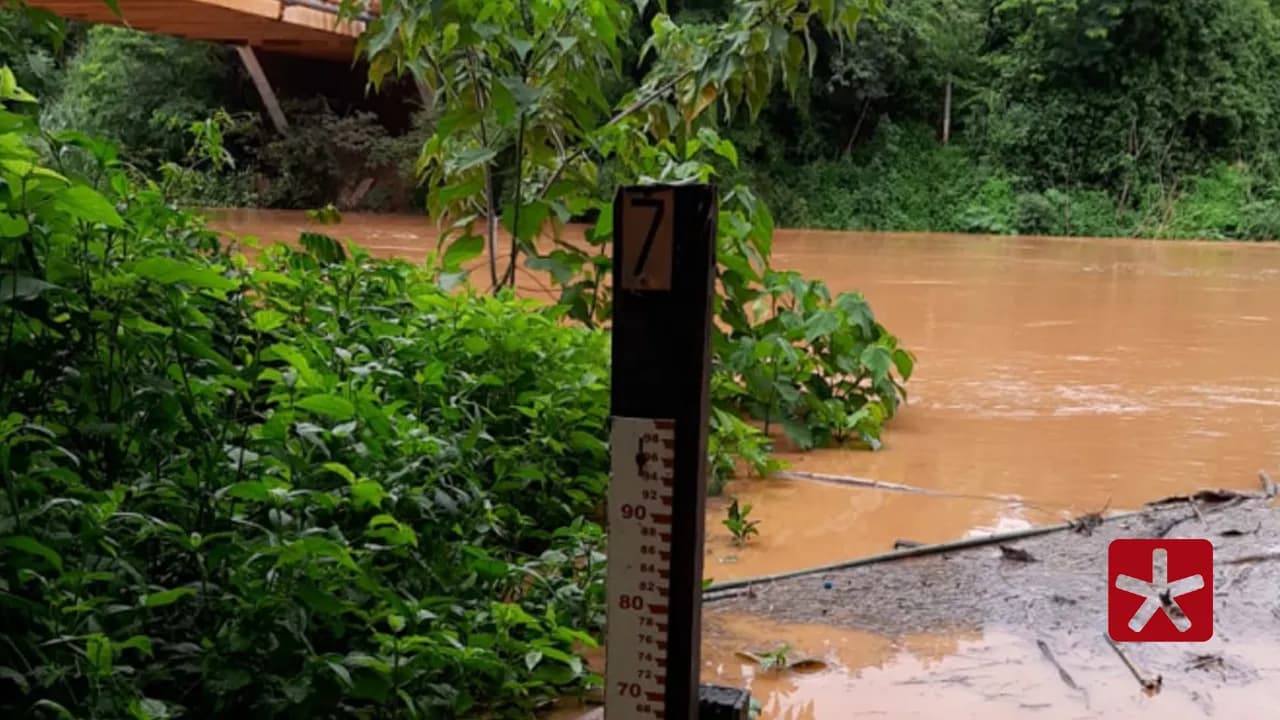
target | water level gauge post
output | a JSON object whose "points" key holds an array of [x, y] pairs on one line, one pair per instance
{"points": [[663, 280]]}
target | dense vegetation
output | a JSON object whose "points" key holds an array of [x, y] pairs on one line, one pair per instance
{"points": [[1093, 117], [307, 483], [314, 487]]}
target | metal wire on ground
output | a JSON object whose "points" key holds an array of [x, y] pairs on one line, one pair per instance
{"points": [[733, 588]]}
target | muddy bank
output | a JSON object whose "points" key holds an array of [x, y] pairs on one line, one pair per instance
{"points": [[992, 614]]}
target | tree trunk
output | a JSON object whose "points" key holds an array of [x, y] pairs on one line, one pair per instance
{"points": [[857, 128], [946, 113]]}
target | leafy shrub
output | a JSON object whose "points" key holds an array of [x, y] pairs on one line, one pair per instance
{"points": [[904, 180], [823, 369], [315, 486], [130, 86], [32, 45], [1224, 203], [325, 154], [209, 176]]}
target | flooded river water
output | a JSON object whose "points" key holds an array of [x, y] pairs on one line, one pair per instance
{"points": [[1070, 374]]}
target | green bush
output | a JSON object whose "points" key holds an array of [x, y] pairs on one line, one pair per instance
{"points": [[325, 154], [33, 43], [1227, 202], [131, 87], [904, 180], [317, 486]]}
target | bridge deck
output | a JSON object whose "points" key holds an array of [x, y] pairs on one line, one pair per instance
{"points": [[287, 26]]}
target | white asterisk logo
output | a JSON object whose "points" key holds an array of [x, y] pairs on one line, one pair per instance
{"points": [[1160, 593]]}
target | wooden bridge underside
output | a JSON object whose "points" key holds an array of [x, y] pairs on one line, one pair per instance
{"points": [[308, 27]]}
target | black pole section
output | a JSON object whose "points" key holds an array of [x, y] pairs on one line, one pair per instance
{"points": [[663, 280]]}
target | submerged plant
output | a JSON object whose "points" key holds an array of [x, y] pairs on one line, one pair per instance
{"points": [[736, 520]]}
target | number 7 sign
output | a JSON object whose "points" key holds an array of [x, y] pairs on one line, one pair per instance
{"points": [[647, 239]]}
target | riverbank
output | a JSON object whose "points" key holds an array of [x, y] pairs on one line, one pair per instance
{"points": [[905, 181], [1029, 619], [1012, 629]]}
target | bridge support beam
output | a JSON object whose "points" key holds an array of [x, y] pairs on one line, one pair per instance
{"points": [[265, 91]]}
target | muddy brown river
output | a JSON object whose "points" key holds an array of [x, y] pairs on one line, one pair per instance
{"points": [[1062, 375]]}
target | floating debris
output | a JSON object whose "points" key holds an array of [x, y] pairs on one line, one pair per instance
{"points": [[1150, 684], [1268, 485], [1062, 672], [1013, 553], [780, 660]]}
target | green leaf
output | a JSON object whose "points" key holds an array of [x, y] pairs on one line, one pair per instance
{"points": [[474, 344], [22, 287], [149, 709], [504, 104], [89, 205], [877, 360], [166, 597], [338, 468], [532, 658], [143, 325], [97, 649], [13, 225], [451, 280], [821, 324], [17, 678], [313, 546], [9, 89], [368, 493], [464, 189], [296, 360], [799, 433], [904, 362], [31, 546], [532, 217], [323, 248], [331, 406], [391, 530], [274, 278], [59, 710], [465, 248], [249, 490], [168, 271], [141, 643], [268, 320], [473, 158], [558, 263], [343, 674]]}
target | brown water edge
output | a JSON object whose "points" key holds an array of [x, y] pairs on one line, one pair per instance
{"points": [[987, 674], [990, 674], [1072, 373]]}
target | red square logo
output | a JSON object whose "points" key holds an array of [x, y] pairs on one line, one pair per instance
{"points": [[1160, 590]]}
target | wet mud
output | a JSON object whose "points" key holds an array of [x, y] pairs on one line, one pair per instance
{"points": [[984, 616]]}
